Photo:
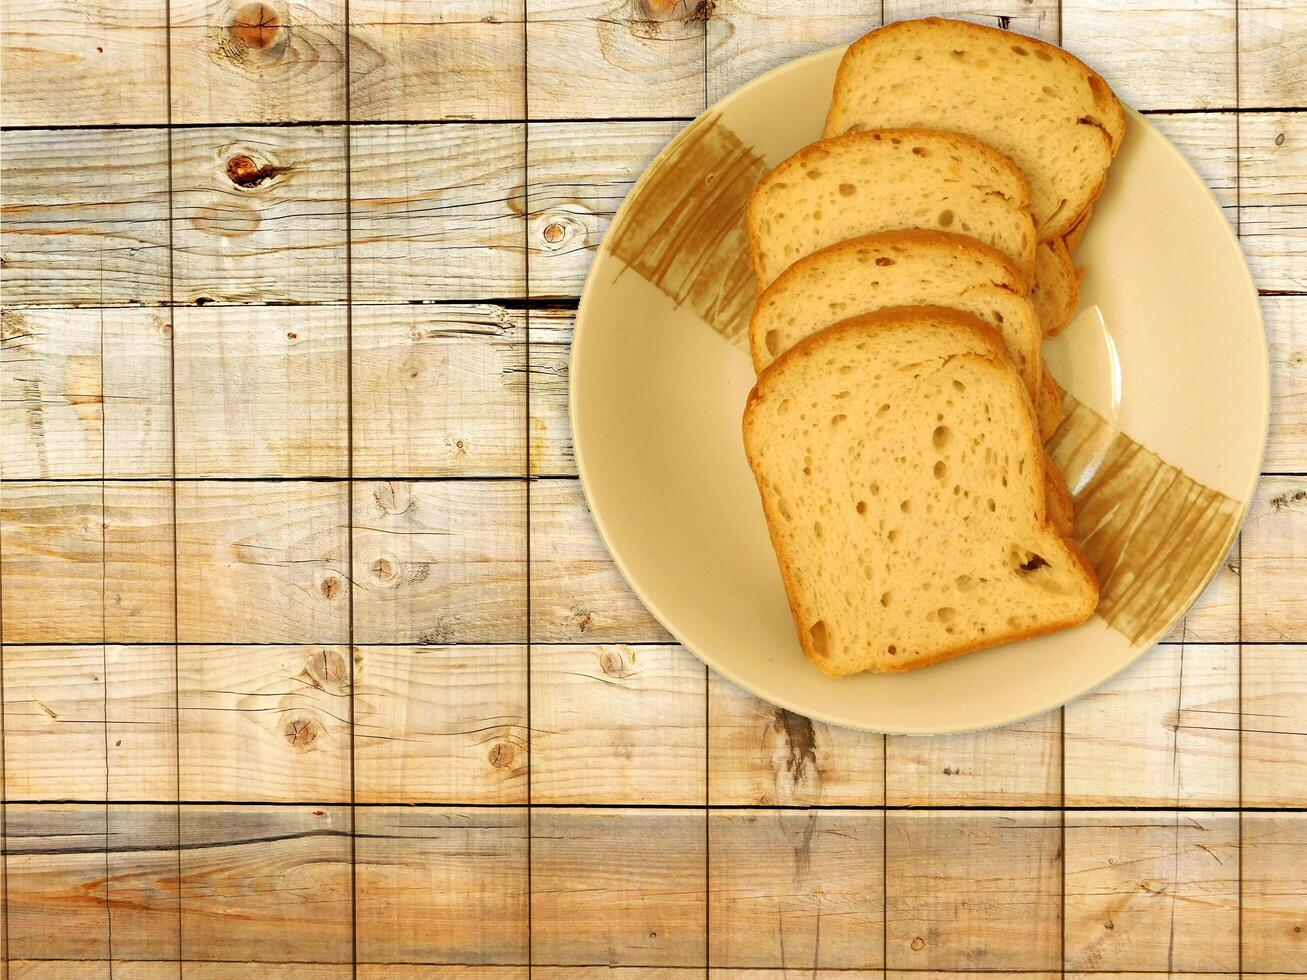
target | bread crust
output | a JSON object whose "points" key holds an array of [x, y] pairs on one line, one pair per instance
{"points": [[1056, 318], [996, 356], [1112, 125], [1027, 266]]}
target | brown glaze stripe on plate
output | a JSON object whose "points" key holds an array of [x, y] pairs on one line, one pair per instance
{"points": [[684, 230], [1152, 532]]}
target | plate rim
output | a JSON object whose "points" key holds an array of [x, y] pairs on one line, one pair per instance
{"points": [[1245, 281]]}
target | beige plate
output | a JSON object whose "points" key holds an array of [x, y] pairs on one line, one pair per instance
{"points": [[1165, 367]]}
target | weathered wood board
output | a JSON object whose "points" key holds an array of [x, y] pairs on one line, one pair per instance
{"points": [[312, 662]]}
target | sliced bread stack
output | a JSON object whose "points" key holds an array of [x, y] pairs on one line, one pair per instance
{"points": [[910, 264]]}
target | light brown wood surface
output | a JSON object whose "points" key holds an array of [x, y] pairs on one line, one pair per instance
{"points": [[312, 662]]}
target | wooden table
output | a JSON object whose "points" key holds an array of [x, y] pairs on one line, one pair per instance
{"points": [[314, 665]]}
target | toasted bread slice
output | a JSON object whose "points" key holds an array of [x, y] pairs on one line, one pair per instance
{"points": [[1056, 289], [885, 445], [1045, 109], [889, 180]]}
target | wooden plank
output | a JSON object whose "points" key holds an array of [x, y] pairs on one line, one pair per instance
{"points": [[1018, 765], [764, 755], [1286, 333], [1274, 893], [261, 392], [749, 37], [257, 62], [1158, 55], [578, 174], [85, 563], [439, 390], [262, 562], [56, 871], [85, 217], [577, 593], [436, 212], [440, 562], [141, 883], [617, 725], [72, 63], [973, 889], [1208, 142], [1274, 570], [599, 59], [439, 885], [266, 883], [1271, 69], [1273, 213], [1274, 726], [1152, 891], [259, 214], [264, 724], [552, 452], [440, 724], [85, 393], [411, 971], [615, 973], [1038, 18], [436, 59], [618, 887], [1163, 733], [89, 723], [1214, 616], [794, 888]]}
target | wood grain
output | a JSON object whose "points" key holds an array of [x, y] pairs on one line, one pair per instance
{"points": [[793, 888], [1163, 733], [86, 562], [90, 723], [70, 62], [436, 212], [1286, 334], [764, 755], [440, 724], [85, 394], [1155, 891], [439, 390], [1038, 18], [440, 885], [1274, 893], [1271, 69], [1274, 572], [261, 393], [578, 174], [1018, 765], [617, 725], [441, 562], [1169, 55], [1272, 222], [262, 562], [577, 593], [436, 59], [266, 883], [973, 889], [267, 724], [550, 432], [1274, 739], [259, 214], [85, 217], [618, 887], [257, 62], [608, 58]]}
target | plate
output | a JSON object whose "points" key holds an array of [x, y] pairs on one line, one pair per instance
{"points": [[1164, 368]]}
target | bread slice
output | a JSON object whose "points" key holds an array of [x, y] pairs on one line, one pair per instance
{"points": [[899, 268], [1046, 110], [903, 487], [1077, 230], [886, 180], [1056, 289]]}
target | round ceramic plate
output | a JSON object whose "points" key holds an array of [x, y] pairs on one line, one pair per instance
{"points": [[1164, 368]]}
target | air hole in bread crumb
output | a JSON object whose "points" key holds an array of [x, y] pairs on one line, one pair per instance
{"points": [[875, 489], [773, 341], [959, 54], [946, 613], [941, 436], [920, 151], [848, 190], [883, 409], [816, 528], [991, 505], [783, 407], [891, 649], [940, 469], [1021, 466], [998, 317], [838, 420], [945, 218], [1043, 55], [1004, 481], [1013, 623], [959, 386], [783, 507], [812, 174], [884, 599], [862, 507], [807, 471], [817, 631], [896, 141], [965, 226], [893, 535], [965, 583], [883, 260], [1048, 90], [1020, 50], [905, 506]]}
